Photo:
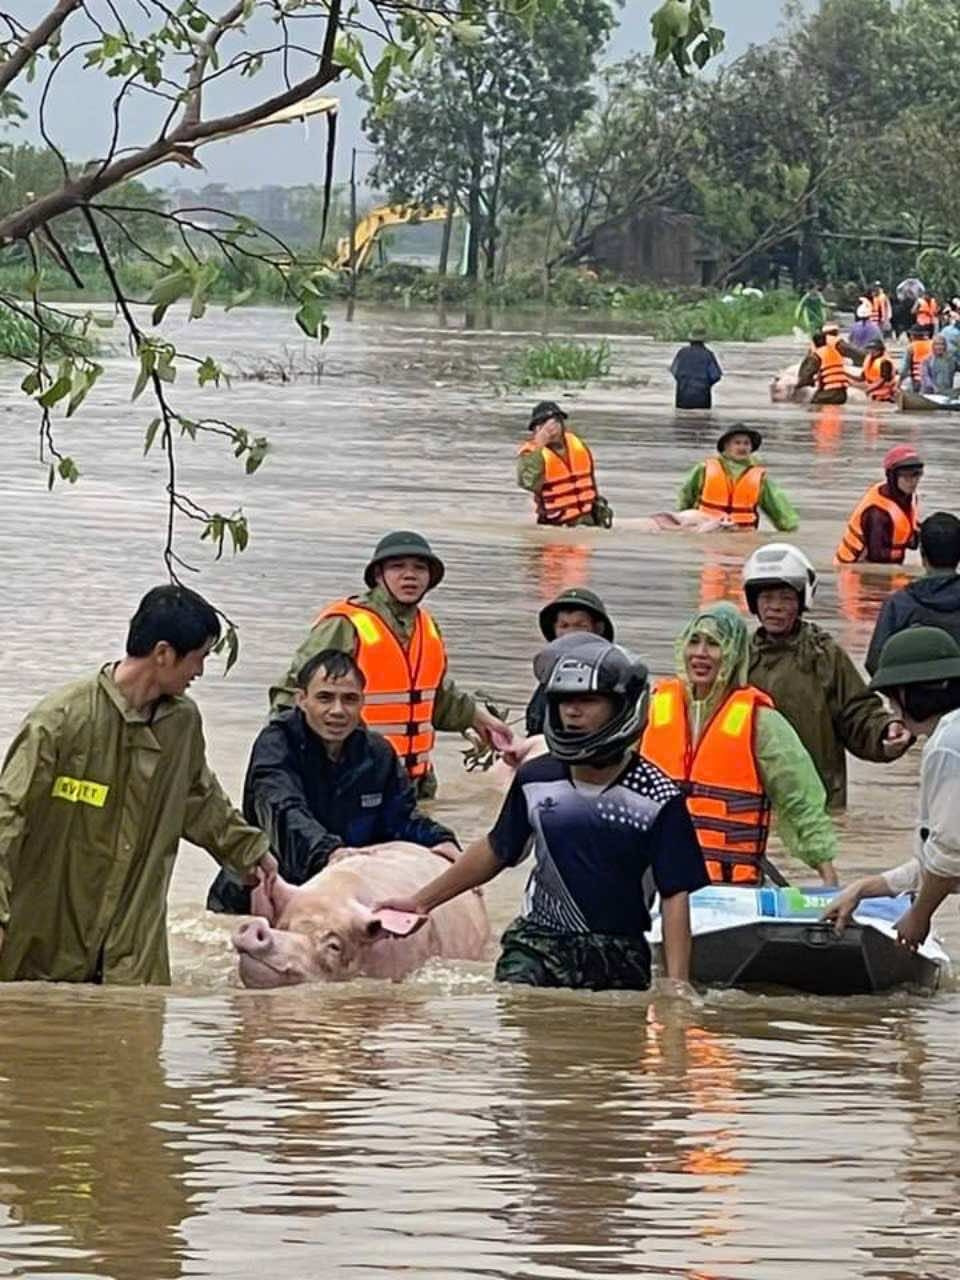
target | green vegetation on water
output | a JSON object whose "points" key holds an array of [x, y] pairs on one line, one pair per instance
{"points": [[558, 361]]}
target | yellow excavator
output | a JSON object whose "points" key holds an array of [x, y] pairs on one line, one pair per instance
{"points": [[372, 223]]}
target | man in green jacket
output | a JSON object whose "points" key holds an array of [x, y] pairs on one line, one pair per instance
{"points": [[401, 571], [812, 680], [735, 450], [100, 783]]}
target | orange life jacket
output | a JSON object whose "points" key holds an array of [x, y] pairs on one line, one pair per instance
{"points": [[927, 311], [832, 372], [402, 682], [919, 349], [880, 309], [725, 797], [878, 387], [569, 487], [739, 499], [853, 544]]}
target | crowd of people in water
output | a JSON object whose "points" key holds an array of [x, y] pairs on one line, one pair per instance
{"points": [[861, 360], [623, 787]]}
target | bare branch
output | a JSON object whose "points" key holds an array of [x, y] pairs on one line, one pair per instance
{"points": [[207, 48], [35, 40]]}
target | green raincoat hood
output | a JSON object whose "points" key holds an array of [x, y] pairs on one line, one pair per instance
{"points": [[725, 625]]}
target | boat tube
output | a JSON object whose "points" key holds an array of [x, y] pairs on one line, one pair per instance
{"points": [[744, 937], [914, 402]]}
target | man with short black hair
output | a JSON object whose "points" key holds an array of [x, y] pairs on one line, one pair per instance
{"points": [[557, 467], [607, 828], [99, 785], [318, 780], [399, 647], [934, 599]]}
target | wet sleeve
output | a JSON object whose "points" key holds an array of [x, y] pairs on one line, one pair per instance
{"points": [[25, 782], [674, 365], [512, 832], [714, 372], [675, 856], [859, 716], [906, 364], [905, 878], [530, 470], [877, 535], [691, 489], [332, 633], [797, 795], [776, 506], [301, 843], [940, 850], [882, 631], [211, 821], [402, 820], [453, 709], [807, 373]]}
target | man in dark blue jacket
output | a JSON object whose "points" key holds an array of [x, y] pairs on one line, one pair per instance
{"points": [[695, 371], [930, 601], [318, 780]]}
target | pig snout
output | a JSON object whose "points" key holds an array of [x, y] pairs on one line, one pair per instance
{"points": [[262, 962], [255, 938]]}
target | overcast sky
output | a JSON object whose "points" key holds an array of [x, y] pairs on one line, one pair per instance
{"points": [[78, 115]]}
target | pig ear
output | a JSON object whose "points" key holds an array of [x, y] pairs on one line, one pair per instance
{"points": [[394, 924], [271, 896]]}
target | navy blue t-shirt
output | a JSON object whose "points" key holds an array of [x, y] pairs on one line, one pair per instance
{"points": [[600, 857]]}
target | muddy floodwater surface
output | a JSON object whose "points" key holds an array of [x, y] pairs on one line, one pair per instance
{"points": [[446, 1128]]}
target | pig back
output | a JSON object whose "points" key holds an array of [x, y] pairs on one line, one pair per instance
{"points": [[458, 930]]}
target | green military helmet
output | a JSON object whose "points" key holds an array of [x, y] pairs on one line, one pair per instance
{"points": [[401, 542], [918, 655], [575, 598]]}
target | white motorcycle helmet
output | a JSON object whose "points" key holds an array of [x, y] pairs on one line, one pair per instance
{"points": [[779, 564]]}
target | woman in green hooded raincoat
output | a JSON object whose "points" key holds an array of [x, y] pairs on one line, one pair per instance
{"points": [[737, 756]]}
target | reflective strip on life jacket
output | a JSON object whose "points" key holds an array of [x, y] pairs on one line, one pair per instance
{"points": [[853, 544], [725, 796], [918, 349], [832, 372], [569, 488], [738, 499], [402, 682], [878, 387]]}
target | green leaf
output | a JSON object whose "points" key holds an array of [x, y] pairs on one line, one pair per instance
{"points": [[346, 53], [31, 383], [311, 316], [240, 298], [209, 371], [167, 290], [56, 392], [152, 430], [231, 642], [67, 470]]}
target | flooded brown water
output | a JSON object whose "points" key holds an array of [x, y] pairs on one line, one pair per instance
{"points": [[444, 1128]]}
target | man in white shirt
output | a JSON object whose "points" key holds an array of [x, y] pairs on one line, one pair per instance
{"points": [[919, 672]]}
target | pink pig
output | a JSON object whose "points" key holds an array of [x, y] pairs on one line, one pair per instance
{"points": [[327, 931]]}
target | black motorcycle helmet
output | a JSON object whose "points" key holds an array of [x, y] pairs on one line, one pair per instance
{"points": [[583, 663]]}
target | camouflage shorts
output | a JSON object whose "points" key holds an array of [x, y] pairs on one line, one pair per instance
{"points": [[537, 957]]}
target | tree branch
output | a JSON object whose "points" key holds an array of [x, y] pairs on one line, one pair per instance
{"points": [[35, 40], [180, 141], [207, 48]]}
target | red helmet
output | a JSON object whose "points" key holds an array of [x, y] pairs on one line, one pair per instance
{"points": [[902, 457]]}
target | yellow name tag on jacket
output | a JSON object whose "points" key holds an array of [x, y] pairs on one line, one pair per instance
{"points": [[79, 790]]}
